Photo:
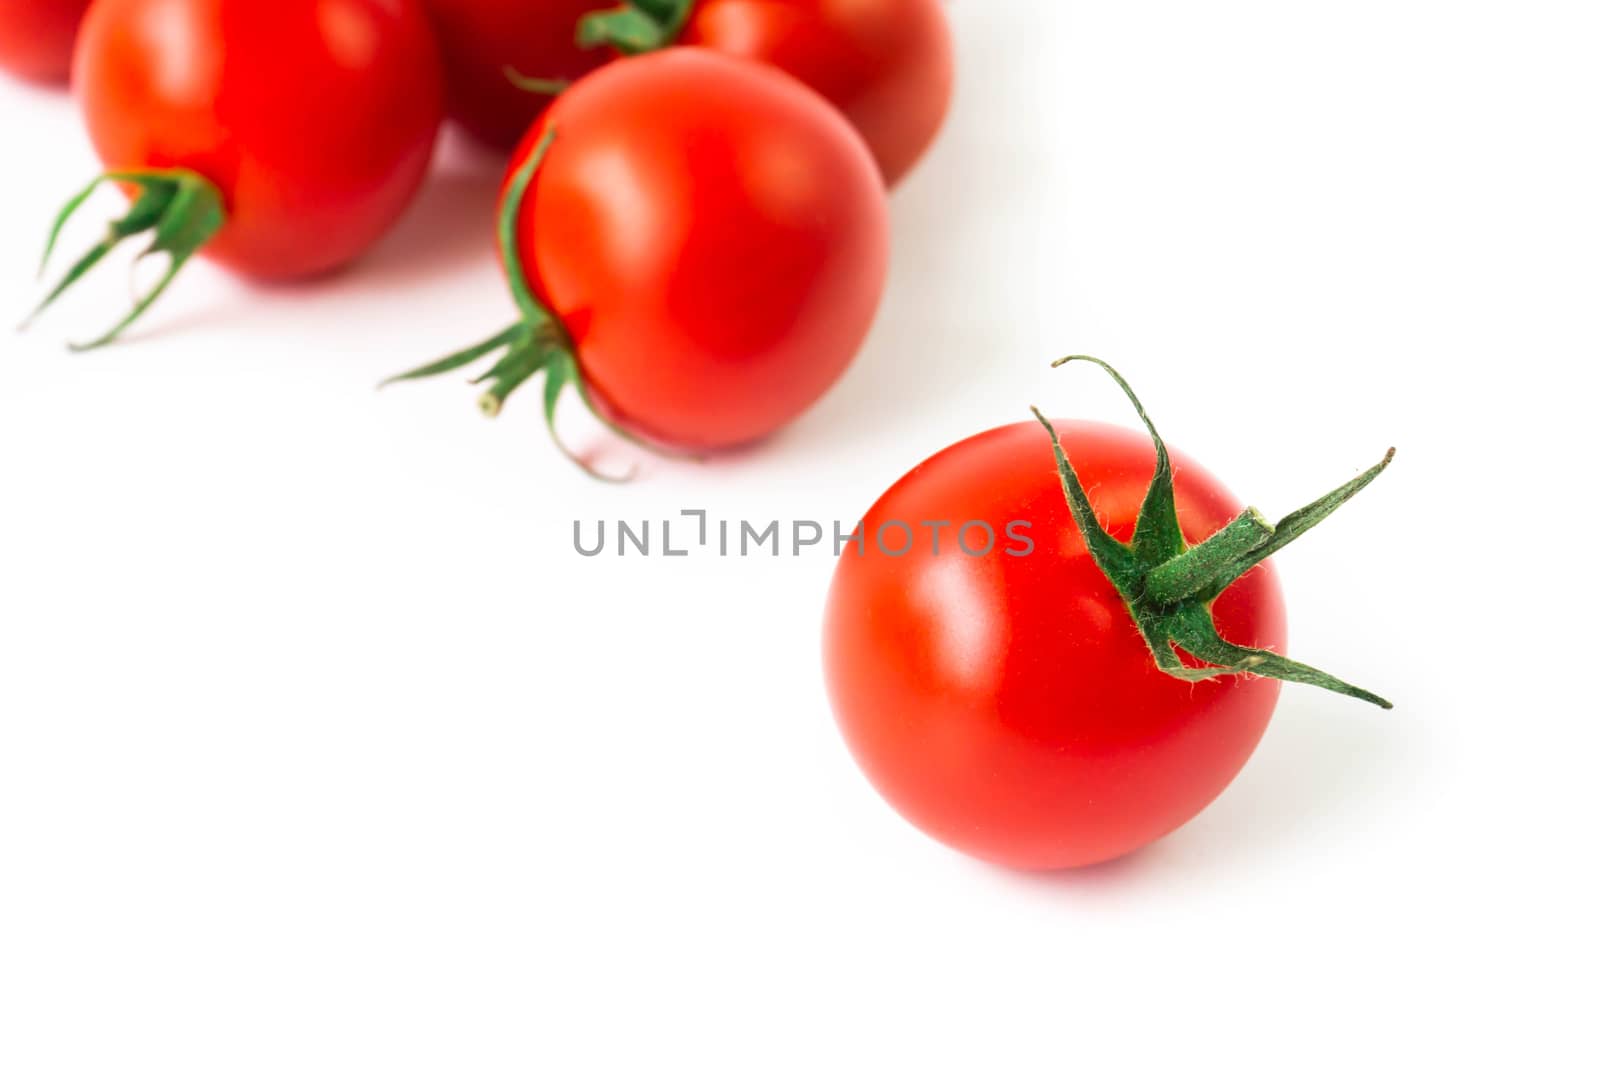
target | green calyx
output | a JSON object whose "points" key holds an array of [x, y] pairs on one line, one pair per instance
{"points": [[632, 28], [635, 27], [179, 207], [1169, 586], [537, 343]]}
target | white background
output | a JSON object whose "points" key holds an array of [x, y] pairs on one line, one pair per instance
{"points": [[320, 745]]}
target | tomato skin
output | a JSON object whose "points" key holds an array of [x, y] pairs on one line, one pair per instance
{"points": [[713, 235], [1007, 705], [315, 118], [479, 39], [887, 64], [36, 37]]}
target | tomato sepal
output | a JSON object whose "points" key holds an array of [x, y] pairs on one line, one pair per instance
{"points": [[1169, 586], [636, 27], [180, 208], [537, 343]]}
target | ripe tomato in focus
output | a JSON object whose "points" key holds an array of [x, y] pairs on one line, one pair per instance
{"points": [[1007, 704], [480, 39], [314, 118], [887, 64], [713, 236], [36, 37]]}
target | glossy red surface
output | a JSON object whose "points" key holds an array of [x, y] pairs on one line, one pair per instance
{"points": [[479, 39], [889, 65], [715, 238], [1007, 705], [316, 118], [36, 37]]}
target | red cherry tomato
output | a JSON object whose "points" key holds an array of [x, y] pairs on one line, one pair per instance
{"points": [[997, 690], [482, 39], [887, 64], [315, 118], [36, 37], [280, 140], [711, 238], [1006, 704], [714, 239]]}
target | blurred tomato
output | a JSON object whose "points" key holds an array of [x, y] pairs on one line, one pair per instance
{"points": [[482, 39], [887, 64], [314, 118], [36, 37]]}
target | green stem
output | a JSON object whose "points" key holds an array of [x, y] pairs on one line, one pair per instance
{"points": [[1169, 587], [457, 360], [534, 313], [1113, 557], [636, 27], [538, 343], [1191, 572], [1297, 523], [1156, 536], [181, 209]]}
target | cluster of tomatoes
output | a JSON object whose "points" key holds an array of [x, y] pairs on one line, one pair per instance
{"points": [[694, 222], [694, 230]]}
